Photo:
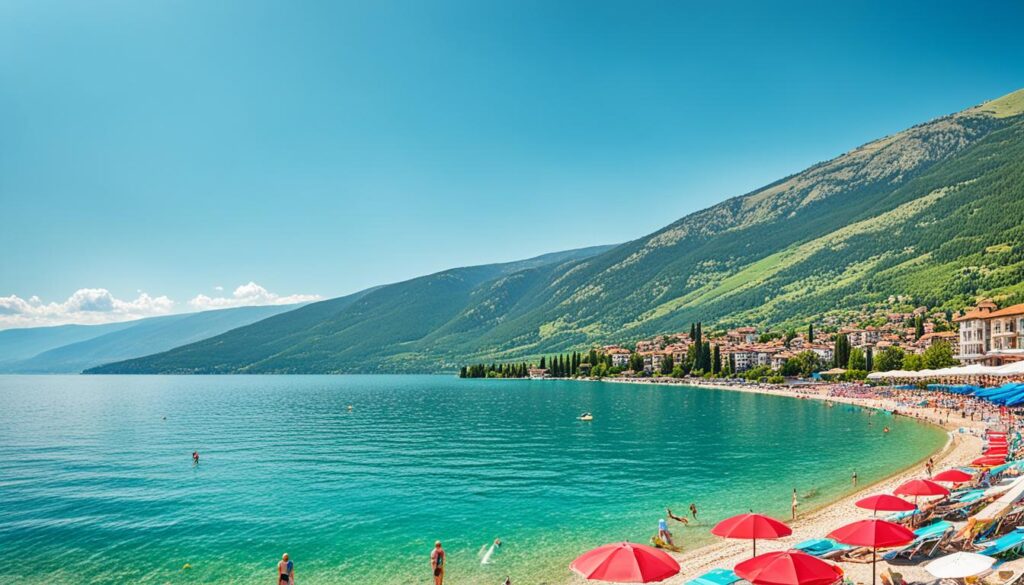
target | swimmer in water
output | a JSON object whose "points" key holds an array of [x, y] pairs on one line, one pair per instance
{"points": [[195, 457], [886, 430], [679, 519]]}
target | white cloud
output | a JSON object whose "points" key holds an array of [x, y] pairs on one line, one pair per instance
{"points": [[247, 295], [85, 306], [91, 306]]}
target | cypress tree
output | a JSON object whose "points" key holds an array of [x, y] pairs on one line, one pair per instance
{"points": [[716, 363], [542, 362], [810, 333], [918, 328]]}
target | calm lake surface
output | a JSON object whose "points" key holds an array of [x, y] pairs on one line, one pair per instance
{"points": [[97, 487]]}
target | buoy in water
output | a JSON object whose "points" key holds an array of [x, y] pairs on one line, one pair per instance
{"points": [[186, 566]]}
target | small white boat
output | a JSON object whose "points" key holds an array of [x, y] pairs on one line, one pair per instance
{"points": [[586, 416]]}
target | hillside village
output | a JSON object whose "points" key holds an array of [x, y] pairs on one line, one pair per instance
{"points": [[880, 341]]}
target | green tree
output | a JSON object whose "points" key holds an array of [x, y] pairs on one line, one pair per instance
{"points": [[890, 359], [636, 362], [857, 361], [918, 327], [841, 352], [666, 364], [790, 336], [809, 362], [939, 355], [810, 333], [913, 362], [716, 361]]}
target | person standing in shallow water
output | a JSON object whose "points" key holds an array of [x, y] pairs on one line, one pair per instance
{"points": [[437, 559], [854, 478], [195, 457], [693, 510], [795, 504], [285, 571]]}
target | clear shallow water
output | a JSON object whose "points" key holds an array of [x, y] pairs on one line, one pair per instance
{"points": [[95, 487]]}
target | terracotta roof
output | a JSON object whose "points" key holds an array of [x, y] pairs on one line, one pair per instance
{"points": [[975, 314], [1011, 310]]}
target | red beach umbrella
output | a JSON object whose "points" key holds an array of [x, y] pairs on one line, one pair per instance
{"points": [[751, 526], [989, 461], [885, 503], [921, 487], [788, 568], [625, 562], [874, 533], [953, 476], [995, 451]]}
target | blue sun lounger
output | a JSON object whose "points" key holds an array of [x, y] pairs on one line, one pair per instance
{"points": [[716, 577], [900, 516], [822, 547], [1010, 543], [928, 540]]}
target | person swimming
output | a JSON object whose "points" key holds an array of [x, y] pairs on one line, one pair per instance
{"points": [[679, 519], [195, 457]]}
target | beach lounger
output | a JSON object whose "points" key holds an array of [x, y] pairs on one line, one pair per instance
{"points": [[822, 547], [716, 577], [1007, 544], [902, 516], [929, 539]]}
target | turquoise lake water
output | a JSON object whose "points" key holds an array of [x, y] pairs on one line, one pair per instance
{"points": [[98, 488]]}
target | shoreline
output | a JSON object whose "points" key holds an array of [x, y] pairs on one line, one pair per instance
{"points": [[816, 522]]}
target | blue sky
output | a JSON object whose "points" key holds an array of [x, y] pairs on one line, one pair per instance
{"points": [[318, 148]]}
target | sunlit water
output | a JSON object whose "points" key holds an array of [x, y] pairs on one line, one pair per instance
{"points": [[97, 487]]}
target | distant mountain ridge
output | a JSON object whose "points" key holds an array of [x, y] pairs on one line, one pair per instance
{"points": [[73, 348], [935, 212]]}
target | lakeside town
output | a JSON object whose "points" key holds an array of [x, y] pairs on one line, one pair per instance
{"points": [[881, 341]]}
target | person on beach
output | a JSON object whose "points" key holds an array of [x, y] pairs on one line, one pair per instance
{"points": [[929, 467], [285, 571], [795, 504], [195, 458], [693, 510], [437, 559], [678, 519], [663, 532]]}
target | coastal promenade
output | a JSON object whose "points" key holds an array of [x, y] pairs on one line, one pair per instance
{"points": [[963, 445]]}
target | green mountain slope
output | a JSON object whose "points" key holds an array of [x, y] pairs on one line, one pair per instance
{"points": [[131, 339], [378, 330], [933, 212]]}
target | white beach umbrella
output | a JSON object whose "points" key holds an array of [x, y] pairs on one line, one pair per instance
{"points": [[959, 565], [1011, 369]]}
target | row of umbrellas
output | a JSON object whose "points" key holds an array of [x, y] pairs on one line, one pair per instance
{"points": [[637, 563]]}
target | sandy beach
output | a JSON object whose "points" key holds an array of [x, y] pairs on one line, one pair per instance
{"points": [[960, 449]]}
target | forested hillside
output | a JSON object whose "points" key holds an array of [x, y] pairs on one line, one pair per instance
{"points": [[934, 212]]}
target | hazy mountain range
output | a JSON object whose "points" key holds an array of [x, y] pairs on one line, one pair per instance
{"points": [[935, 212], [73, 348]]}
